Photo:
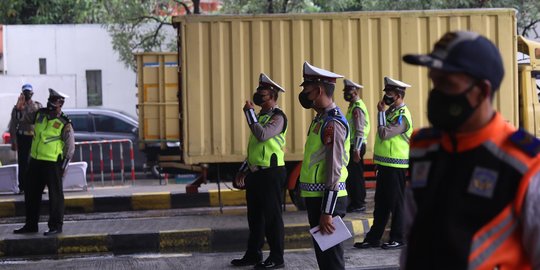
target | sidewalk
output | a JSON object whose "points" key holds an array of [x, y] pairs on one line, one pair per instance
{"points": [[170, 227]]}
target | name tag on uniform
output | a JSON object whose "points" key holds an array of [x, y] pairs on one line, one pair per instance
{"points": [[420, 173], [483, 182]]}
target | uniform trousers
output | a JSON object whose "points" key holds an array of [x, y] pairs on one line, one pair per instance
{"points": [[24, 143], [264, 198], [332, 258], [40, 174], [356, 188], [389, 196]]}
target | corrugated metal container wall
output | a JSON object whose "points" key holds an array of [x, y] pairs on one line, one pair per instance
{"points": [[222, 57], [157, 94]]}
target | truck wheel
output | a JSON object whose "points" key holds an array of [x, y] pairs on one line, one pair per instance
{"points": [[297, 200]]}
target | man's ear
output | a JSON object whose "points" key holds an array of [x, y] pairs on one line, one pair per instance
{"points": [[486, 89]]}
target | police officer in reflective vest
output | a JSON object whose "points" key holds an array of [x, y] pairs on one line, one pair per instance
{"points": [[474, 198], [22, 132], [358, 119], [324, 168], [392, 159], [52, 148], [265, 174]]}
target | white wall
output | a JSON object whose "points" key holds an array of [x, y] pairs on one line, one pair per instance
{"points": [[10, 89], [70, 50]]}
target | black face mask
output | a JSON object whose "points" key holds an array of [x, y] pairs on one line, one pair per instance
{"points": [[347, 96], [258, 99], [27, 95], [449, 112], [305, 101], [388, 100]]}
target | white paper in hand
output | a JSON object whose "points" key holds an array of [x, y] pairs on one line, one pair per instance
{"points": [[327, 241]]}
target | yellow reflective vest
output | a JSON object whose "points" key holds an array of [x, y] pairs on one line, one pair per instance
{"points": [[394, 152], [313, 171], [260, 153], [47, 143], [359, 104]]}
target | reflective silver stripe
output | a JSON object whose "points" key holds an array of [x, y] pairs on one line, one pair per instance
{"points": [[382, 119], [51, 139], [329, 202], [277, 141], [420, 152], [319, 187], [496, 244], [405, 137], [251, 117], [317, 156], [280, 137], [390, 160], [484, 237], [502, 155]]}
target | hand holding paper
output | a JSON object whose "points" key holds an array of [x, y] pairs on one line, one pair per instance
{"points": [[326, 241]]}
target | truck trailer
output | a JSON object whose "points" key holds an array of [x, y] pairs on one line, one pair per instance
{"points": [[190, 102]]}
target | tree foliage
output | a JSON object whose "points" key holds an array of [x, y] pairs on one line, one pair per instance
{"points": [[145, 25], [528, 11]]}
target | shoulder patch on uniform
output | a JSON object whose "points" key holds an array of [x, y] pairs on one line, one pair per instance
{"points": [[427, 134], [64, 118], [526, 142]]}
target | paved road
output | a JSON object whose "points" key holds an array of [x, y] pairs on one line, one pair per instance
{"points": [[303, 259]]}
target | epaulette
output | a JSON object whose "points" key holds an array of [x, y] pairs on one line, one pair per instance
{"points": [[427, 134], [526, 142], [64, 118]]}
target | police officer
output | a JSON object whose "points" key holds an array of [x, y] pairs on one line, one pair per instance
{"points": [[358, 119], [324, 168], [22, 132], [392, 158], [52, 148], [475, 178], [266, 175]]}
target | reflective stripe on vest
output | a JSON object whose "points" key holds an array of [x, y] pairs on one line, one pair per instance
{"points": [[260, 153], [313, 171], [358, 104], [394, 152], [47, 143]]}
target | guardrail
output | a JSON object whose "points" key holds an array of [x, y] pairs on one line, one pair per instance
{"points": [[100, 144]]}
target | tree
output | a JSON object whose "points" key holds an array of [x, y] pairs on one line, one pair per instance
{"points": [[528, 16]]}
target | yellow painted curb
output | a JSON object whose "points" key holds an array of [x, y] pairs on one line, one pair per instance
{"points": [[185, 240], [81, 202], [229, 197], [360, 228], [234, 197], [82, 244], [151, 200], [7, 208]]}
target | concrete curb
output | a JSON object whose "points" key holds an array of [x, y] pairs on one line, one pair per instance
{"points": [[134, 202], [190, 240]]}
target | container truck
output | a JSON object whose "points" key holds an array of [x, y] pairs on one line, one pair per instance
{"points": [[190, 102]]}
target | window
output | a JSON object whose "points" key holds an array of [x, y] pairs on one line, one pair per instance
{"points": [[93, 88], [42, 66], [80, 122], [105, 123]]}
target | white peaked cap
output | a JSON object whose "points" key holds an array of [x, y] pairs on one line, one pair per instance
{"points": [[54, 93], [395, 83], [315, 74], [351, 84], [266, 82]]}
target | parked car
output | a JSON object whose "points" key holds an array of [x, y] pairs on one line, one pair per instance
{"points": [[93, 124]]}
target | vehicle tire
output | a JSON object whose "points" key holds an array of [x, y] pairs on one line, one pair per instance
{"points": [[297, 200]]}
